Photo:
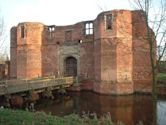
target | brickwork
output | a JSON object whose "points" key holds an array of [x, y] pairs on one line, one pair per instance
{"points": [[13, 52], [112, 57], [142, 76], [4, 69]]}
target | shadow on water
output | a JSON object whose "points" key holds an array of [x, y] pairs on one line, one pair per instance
{"points": [[128, 109]]}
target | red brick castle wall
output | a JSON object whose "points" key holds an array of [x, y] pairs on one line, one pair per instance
{"points": [[111, 52]]}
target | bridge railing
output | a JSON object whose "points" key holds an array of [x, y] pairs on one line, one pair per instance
{"points": [[15, 86]]}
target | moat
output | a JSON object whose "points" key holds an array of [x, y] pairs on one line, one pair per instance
{"points": [[128, 109]]}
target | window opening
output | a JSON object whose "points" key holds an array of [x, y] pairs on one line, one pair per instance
{"points": [[109, 22], [22, 32], [51, 29], [89, 28]]}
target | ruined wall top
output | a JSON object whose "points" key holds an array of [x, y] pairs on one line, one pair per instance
{"points": [[99, 16], [108, 24]]}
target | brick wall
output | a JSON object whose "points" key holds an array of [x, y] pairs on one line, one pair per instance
{"points": [[142, 76], [115, 59], [13, 52]]}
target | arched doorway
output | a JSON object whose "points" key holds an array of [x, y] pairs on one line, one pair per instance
{"points": [[70, 66]]}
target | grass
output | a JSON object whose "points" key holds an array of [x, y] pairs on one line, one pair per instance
{"points": [[161, 77], [20, 117]]}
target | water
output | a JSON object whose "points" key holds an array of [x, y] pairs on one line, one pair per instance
{"points": [[161, 112], [128, 109]]}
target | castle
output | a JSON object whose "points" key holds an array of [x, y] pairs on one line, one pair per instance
{"points": [[110, 53]]}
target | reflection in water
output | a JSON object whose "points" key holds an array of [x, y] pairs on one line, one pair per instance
{"points": [[128, 109], [161, 112]]}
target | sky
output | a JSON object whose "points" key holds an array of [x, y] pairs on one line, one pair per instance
{"points": [[54, 12]]}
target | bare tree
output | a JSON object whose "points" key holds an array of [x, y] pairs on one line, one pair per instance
{"points": [[154, 13], [3, 53], [1, 31], [164, 56], [160, 51]]}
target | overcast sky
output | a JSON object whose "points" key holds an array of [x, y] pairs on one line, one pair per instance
{"points": [[57, 12]]}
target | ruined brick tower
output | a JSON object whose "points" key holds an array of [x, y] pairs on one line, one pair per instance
{"points": [[110, 52]]}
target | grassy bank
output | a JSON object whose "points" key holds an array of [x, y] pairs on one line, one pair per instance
{"points": [[19, 117], [161, 77]]}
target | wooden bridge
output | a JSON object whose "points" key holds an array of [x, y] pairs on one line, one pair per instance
{"points": [[17, 86]]}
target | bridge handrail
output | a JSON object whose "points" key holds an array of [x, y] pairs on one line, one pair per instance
{"points": [[44, 79], [24, 85]]}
